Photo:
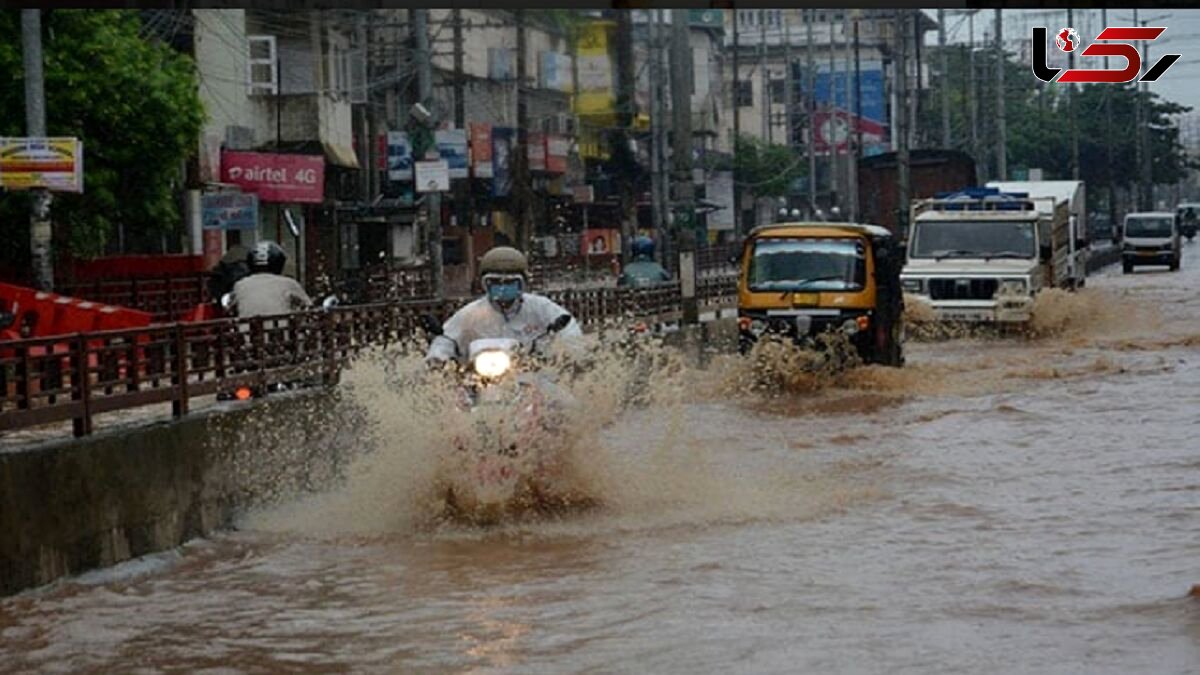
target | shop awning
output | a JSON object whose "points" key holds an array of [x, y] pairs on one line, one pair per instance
{"points": [[340, 155]]}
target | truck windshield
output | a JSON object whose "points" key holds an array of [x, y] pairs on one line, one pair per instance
{"points": [[1148, 227], [786, 264], [975, 239]]}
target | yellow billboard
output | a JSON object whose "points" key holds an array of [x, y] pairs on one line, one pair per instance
{"points": [[596, 95], [51, 163]]}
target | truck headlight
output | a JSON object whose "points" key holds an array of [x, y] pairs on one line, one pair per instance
{"points": [[492, 364], [912, 285], [1012, 287]]}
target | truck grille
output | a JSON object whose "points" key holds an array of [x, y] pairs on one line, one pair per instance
{"points": [[962, 289]]}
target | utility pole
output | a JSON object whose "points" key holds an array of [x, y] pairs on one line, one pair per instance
{"points": [[1112, 188], [523, 181], [460, 105], [362, 121], [1137, 134], [40, 232], [1001, 123], [737, 126], [664, 185], [835, 155], [972, 90], [681, 108], [944, 56], [1146, 168], [656, 126], [766, 81], [901, 129], [811, 101], [852, 119], [1071, 106], [433, 200], [858, 133], [789, 93], [461, 187], [626, 104]]}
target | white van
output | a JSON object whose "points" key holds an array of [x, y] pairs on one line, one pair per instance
{"points": [[1150, 238]]}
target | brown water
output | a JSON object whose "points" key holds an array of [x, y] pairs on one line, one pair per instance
{"points": [[1028, 504]]}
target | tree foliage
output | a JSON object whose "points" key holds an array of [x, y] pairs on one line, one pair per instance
{"points": [[1038, 120], [766, 169], [135, 104]]}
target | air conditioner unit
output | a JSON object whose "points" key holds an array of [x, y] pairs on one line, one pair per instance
{"points": [[562, 124]]}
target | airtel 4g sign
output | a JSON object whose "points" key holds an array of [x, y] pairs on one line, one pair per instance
{"points": [[1110, 42], [291, 179]]}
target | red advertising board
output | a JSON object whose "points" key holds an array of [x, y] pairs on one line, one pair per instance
{"points": [[537, 152], [557, 148], [481, 150], [290, 179]]}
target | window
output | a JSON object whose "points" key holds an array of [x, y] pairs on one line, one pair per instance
{"points": [[501, 62], [262, 76], [778, 91], [745, 93], [773, 17]]}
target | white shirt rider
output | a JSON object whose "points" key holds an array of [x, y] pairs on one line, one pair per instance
{"points": [[526, 320]]}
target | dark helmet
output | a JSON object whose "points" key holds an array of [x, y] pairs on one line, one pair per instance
{"points": [[642, 247], [266, 256]]}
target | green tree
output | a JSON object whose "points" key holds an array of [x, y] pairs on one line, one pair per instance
{"points": [[134, 103], [1038, 123], [766, 169]]}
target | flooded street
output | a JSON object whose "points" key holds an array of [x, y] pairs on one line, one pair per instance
{"points": [[1016, 505]]}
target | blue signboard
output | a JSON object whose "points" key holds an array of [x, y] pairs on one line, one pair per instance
{"points": [[452, 147], [229, 211], [399, 157], [873, 103], [831, 89]]}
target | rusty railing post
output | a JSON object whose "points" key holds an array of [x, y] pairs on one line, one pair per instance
{"points": [[258, 349], [81, 386], [24, 371], [179, 407]]}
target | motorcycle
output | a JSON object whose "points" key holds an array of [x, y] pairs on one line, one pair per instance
{"points": [[509, 459], [244, 392]]}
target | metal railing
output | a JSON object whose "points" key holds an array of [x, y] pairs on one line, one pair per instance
{"points": [[166, 298], [76, 377]]}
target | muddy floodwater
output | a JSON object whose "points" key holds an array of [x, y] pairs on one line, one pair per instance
{"points": [[1017, 505]]}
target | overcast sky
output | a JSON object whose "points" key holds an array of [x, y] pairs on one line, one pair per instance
{"points": [[1181, 83]]}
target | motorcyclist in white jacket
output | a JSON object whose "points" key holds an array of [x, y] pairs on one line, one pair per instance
{"points": [[505, 311]]}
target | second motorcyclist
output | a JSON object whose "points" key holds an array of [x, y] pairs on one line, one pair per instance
{"points": [[266, 291]]}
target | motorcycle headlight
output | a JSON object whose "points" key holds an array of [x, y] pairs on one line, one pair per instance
{"points": [[492, 364], [912, 285]]}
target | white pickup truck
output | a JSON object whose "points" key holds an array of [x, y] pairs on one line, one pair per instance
{"points": [[981, 255]]}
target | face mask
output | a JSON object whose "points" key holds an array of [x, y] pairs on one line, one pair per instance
{"points": [[504, 291]]}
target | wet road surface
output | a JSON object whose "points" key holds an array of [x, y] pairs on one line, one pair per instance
{"points": [[999, 506]]}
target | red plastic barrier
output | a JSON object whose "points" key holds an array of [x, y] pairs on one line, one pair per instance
{"points": [[61, 315]]}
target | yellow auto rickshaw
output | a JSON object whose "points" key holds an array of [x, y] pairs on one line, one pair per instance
{"points": [[799, 280]]}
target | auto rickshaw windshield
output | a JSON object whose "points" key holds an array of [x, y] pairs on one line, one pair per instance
{"points": [[814, 264]]}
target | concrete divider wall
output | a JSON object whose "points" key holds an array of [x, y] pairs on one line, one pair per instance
{"points": [[70, 506]]}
